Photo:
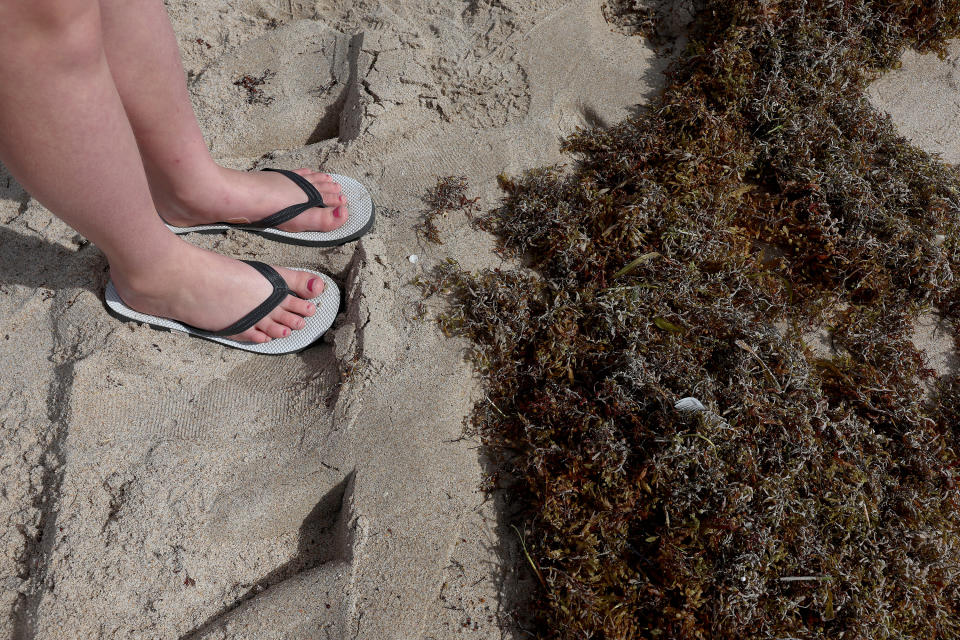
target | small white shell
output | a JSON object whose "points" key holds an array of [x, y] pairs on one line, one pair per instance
{"points": [[689, 404], [414, 258]]}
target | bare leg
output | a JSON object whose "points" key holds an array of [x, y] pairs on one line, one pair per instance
{"points": [[65, 136], [188, 187]]}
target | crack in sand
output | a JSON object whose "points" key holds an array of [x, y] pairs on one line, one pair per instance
{"points": [[38, 552]]}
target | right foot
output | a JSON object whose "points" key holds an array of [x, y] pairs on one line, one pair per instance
{"points": [[210, 291], [242, 197]]}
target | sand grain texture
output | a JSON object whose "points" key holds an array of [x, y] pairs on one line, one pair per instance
{"points": [[158, 486], [923, 99]]}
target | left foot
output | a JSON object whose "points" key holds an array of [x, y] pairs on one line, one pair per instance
{"points": [[244, 197]]}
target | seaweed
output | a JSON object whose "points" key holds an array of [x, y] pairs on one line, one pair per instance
{"points": [[252, 84], [449, 194], [691, 466]]}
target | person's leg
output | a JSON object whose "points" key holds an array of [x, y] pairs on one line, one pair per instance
{"points": [[188, 187], [65, 137]]}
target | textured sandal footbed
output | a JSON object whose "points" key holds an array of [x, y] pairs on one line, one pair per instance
{"points": [[359, 221], [327, 304]]}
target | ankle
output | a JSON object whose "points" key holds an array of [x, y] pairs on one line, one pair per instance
{"points": [[189, 188], [154, 272]]}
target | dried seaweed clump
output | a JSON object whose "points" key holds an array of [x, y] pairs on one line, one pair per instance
{"points": [[634, 17], [449, 194], [252, 84], [686, 256]]}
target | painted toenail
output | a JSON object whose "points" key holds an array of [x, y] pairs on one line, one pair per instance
{"points": [[336, 212], [286, 332], [310, 284]]}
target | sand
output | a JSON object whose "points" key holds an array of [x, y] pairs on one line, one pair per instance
{"points": [[923, 99], [159, 486]]}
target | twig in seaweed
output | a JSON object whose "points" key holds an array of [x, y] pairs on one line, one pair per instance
{"points": [[804, 578], [536, 569], [255, 94]]}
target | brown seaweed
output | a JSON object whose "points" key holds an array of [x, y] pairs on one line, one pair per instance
{"points": [[687, 254]]}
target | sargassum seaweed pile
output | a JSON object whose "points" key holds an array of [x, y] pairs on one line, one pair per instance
{"points": [[689, 253]]}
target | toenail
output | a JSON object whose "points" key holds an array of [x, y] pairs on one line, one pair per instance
{"points": [[336, 212], [310, 284], [342, 199], [286, 332]]}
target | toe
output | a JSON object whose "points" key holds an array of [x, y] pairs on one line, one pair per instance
{"points": [[328, 189], [321, 219], [289, 320], [319, 179], [272, 328], [304, 284], [302, 308], [334, 199], [252, 335], [317, 219]]}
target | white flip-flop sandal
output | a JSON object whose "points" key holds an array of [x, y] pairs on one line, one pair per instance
{"points": [[327, 304], [358, 222]]}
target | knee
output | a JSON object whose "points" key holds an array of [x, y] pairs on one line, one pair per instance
{"points": [[66, 31]]}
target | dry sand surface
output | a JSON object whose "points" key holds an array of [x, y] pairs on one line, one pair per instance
{"points": [[923, 98], [158, 486]]}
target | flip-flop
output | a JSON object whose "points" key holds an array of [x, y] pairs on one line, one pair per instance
{"points": [[359, 220], [327, 304]]}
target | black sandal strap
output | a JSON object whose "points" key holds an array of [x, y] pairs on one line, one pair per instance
{"points": [[314, 199], [301, 182], [280, 292]]}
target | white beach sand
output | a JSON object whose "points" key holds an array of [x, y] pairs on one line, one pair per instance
{"points": [[158, 486]]}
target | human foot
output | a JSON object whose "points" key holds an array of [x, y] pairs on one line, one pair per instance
{"points": [[243, 197], [209, 291]]}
